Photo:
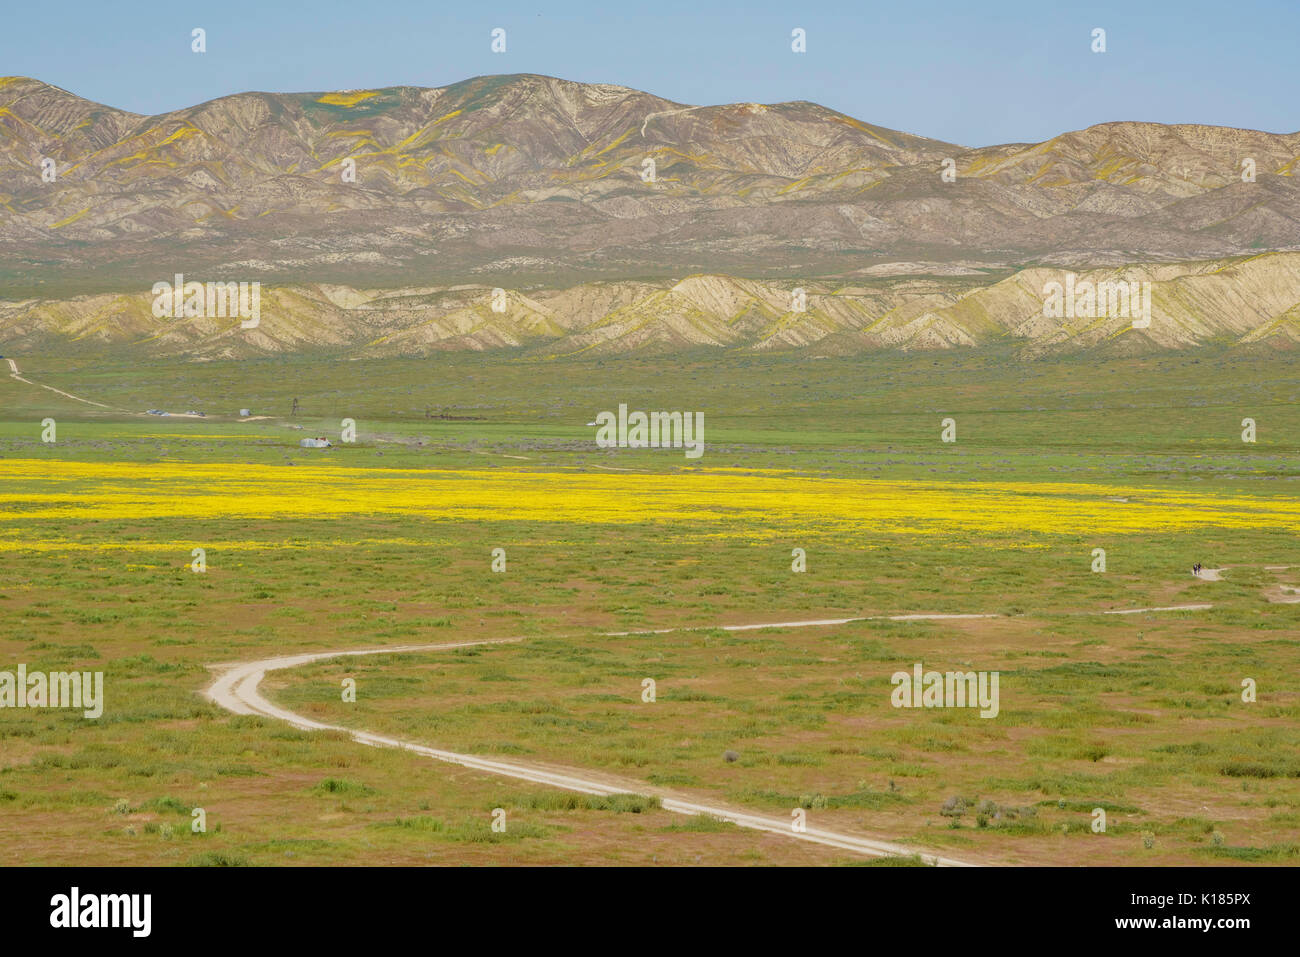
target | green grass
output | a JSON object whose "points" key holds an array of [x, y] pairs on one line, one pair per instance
{"points": [[1139, 715]]}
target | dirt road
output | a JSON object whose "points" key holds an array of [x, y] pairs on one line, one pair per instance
{"points": [[14, 374], [236, 690]]}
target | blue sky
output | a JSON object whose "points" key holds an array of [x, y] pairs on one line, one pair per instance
{"points": [[965, 72]]}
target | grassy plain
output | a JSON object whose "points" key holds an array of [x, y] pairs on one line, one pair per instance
{"points": [[389, 540]]}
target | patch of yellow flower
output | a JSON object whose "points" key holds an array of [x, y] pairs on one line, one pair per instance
{"points": [[350, 98], [730, 503]]}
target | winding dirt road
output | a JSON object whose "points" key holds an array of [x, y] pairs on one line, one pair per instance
{"points": [[236, 690]]}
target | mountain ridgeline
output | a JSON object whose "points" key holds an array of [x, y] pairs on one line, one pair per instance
{"points": [[380, 221], [500, 174]]}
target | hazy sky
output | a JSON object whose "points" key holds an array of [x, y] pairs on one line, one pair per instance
{"points": [[969, 73]]}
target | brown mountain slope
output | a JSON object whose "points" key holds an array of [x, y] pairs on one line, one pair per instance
{"points": [[532, 178]]}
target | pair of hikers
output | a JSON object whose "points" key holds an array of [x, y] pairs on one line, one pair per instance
{"points": [[1196, 569]]}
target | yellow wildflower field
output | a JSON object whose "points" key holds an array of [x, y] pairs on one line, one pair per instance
{"points": [[732, 503]]}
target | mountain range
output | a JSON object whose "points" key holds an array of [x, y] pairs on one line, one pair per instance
{"points": [[512, 175], [381, 219]]}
